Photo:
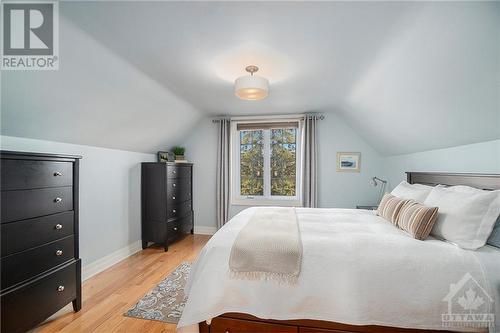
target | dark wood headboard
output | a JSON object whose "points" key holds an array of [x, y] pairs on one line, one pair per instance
{"points": [[477, 180]]}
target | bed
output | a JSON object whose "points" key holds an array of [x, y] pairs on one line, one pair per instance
{"points": [[359, 274]]}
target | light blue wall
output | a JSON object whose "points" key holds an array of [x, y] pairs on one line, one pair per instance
{"points": [[110, 213], [480, 157], [336, 189], [345, 189]]}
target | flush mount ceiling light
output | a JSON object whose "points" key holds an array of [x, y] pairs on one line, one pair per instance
{"points": [[251, 87]]}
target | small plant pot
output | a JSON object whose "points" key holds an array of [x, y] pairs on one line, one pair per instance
{"points": [[179, 157]]}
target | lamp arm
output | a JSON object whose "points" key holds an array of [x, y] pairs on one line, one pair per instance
{"points": [[382, 190], [380, 180]]}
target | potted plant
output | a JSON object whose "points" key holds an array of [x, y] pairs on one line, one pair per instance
{"points": [[179, 153]]}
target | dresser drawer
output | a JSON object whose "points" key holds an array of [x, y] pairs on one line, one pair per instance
{"points": [[24, 265], [180, 227], [174, 171], [25, 204], [224, 325], [22, 235], [26, 174], [174, 230], [177, 195], [32, 303], [179, 210], [178, 184]]}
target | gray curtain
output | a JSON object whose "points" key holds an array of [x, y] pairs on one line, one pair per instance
{"points": [[309, 167], [223, 187]]}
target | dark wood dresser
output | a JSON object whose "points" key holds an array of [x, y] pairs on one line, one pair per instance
{"points": [[40, 267], [167, 205]]}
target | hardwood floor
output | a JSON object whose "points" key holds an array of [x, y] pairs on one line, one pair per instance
{"points": [[111, 293]]}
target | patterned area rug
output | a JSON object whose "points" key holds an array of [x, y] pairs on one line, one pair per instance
{"points": [[166, 301]]}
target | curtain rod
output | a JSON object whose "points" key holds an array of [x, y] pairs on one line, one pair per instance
{"points": [[317, 116]]}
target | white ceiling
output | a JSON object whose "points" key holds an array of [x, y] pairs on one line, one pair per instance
{"points": [[406, 76]]}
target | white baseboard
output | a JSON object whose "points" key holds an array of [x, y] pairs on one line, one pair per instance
{"points": [[202, 230], [100, 265]]}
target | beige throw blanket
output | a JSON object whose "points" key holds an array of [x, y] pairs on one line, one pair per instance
{"points": [[268, 247]]}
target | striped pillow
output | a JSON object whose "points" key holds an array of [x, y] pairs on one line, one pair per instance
{"points": [[389, 207], [417, 219]]}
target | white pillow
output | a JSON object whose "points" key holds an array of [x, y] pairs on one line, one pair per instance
{"points": [[466, 215], [417, 192]]}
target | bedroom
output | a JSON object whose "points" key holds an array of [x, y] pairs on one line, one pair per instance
{"points": [[139, 139]]}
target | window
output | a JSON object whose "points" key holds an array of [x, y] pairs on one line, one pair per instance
{"points": [[252, 162], [266, 163]]}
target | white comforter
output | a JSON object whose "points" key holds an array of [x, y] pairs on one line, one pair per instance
{"points": [[357, 268]]}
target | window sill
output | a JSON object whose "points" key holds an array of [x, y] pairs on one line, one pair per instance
{"points": [[270, 202]]}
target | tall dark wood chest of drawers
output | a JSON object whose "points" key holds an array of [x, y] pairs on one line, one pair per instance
{"points": [[40, 267], [167, 205]]}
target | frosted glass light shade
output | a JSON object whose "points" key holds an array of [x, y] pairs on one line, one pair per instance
{"points": [[251, 87]]}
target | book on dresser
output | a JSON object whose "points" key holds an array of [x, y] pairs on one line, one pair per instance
{"points": [[40, 264], [167, 205]]}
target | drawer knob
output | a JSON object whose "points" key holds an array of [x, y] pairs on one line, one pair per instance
{"points": [[173, 198], [174, 211], [227, 331], [58, 226], [174, 184], [57, 199], [175, 228], [60, 288], [173, 171], [57, 174], [59, 253]]}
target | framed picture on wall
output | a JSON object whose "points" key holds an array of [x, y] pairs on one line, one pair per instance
{"points": [[348, 162]]}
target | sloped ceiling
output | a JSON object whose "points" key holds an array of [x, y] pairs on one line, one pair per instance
{"points": [[406, 76]]}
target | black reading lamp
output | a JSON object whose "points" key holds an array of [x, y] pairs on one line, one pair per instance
{"points": [[375, 181]]}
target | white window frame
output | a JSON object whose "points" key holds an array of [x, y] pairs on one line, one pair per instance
{"points": [[267, 199]]}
